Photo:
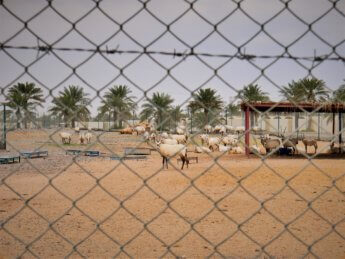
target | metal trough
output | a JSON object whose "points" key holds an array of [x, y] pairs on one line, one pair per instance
{"points": [[132, 157], [33, 154], [9, 159], [137, 151]]}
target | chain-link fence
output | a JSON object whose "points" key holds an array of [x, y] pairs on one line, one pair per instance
{"points": [[106, 194]]}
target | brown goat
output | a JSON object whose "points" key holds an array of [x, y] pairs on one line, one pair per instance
{"points": [[309, 142]]}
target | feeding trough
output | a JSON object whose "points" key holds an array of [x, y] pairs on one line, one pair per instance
{"points": [[82, 152], [131, 157], [137, 151], [9, 159], [34, 154]]}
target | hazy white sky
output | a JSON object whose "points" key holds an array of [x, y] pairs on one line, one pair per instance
{"points": [[235, 29]]}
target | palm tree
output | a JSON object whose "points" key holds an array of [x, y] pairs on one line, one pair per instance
{"points": [[338, 97], [157, 107], [293, 93], [176, 114], [232, 110], [71, 104], [339, 94], [208, 101], [253, 93], [313, 90], [118, 102], [306, 90], [23, 99]]}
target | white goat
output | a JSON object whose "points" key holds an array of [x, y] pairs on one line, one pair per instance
{"points": [[181, 139], [180, 131], [88, 137], [153, 136], [231, 140], [139, 130], [167, 151], [200, 149], [212, 141], [208, 128], [146, 136], [204, 138], [255, 149], [66, 137], [222, 130], [237, 150], [229, 128], [164, 135], [169, 141], [223, 148], [240, 129]]}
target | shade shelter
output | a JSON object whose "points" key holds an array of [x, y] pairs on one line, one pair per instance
{"points": [[247, 107]]}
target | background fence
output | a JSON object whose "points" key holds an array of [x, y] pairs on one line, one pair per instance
{"points": [[174, 47]]}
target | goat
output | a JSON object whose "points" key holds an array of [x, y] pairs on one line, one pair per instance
{"points": [[181, 139], [290, 142], [212, 141], [223, 148], [231, 140], [167, 151], [208, 129], [240, 129], [88, 137], [164, 135], [204, 138], [229, 128], [139, 130], [169, 141], [309, 142], [236, 150], [199, 149], [65, 137], [270, 144], [126, 131]]}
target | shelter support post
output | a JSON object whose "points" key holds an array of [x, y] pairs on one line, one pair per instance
{"points": [[246, 124], [340, 133], [3, 145]]}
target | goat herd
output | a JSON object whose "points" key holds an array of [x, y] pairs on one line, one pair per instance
{"points": [[227, 140]]}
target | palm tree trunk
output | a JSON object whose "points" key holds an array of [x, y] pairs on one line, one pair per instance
{"points": [[18, 118], [206, 116], [115, 119], [296, 121]]}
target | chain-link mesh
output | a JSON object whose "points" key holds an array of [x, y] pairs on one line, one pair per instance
{"points": [[226, 205]]}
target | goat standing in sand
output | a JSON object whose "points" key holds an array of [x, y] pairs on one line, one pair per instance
{"points": [[309, 142]]}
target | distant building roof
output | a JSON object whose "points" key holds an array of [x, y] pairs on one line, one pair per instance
{"points": [[292, 107]]}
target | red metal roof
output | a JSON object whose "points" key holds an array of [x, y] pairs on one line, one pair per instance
{"points": [[292, 107]]}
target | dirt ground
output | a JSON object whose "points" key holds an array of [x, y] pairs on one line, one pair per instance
{"points": [[225, 205]]}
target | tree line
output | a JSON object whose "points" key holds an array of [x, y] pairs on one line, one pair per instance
{"points": [[118, 105]]}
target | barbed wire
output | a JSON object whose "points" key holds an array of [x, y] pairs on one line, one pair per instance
{"points": [[175, 53]]}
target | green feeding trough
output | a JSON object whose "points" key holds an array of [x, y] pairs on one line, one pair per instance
{"points": [[131, 157], [9, 159], [34, 154], [82, 152]]}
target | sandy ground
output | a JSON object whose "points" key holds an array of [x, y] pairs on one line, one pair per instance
{"points": [[224, 206]]}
